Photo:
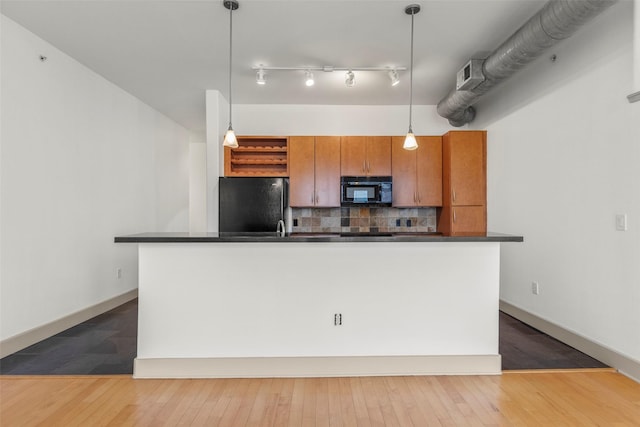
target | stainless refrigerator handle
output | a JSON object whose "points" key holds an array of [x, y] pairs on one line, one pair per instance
{"points": [[280, 228]]}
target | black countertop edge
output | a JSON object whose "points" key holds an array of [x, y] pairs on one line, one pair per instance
{"points": [[186, 237]]}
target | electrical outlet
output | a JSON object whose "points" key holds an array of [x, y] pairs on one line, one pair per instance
{"points": [[119, 273], [535, 288], [337, 319]]}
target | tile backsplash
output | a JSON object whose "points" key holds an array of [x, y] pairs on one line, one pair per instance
{"points": [[363, 219]]}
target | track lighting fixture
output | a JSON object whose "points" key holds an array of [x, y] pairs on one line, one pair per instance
{"points": [[260, 77], [230, 137], [350, 79], [410, 142], [393, 76], [308, 78]]}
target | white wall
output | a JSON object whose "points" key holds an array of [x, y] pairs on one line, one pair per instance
{"points": [[82, 161], [197, 187], [336, 120], [563, 156]]}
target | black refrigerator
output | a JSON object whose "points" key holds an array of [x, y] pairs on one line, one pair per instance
{"points": [[252, 204]]}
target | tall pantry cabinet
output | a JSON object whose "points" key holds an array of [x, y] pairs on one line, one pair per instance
{"points": [[464, 185]]}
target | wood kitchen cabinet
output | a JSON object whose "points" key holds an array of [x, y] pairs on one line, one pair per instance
{"points": [[417, 174], [257, 156], [462, 220], [314, 172], [464, 183], [365, 156]]}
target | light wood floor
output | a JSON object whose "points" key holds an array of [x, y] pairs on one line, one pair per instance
{"points": [[558, 398]]}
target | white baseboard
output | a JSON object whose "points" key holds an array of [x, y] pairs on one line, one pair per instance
{"points": [[285, 367], [32, 336], [624, 364]]}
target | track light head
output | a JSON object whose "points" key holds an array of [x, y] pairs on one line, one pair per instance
{"points": [[350, 79], [393, 76], [308, 80], [260, 77]]}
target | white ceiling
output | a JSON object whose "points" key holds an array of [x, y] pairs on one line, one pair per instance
{"points": [[168, 52]]}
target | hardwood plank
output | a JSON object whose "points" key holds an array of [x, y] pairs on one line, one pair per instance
{"points": [[89, 409], [347, 405], [235, 402], [563, 398], [284, 406], [373, 407], [263, 400], [297, 403], [224, 399], [322, 402], [360, 404], [309, 404], [206, 402]]}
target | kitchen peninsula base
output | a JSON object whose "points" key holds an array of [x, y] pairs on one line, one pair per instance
{"points": [[273, 309]]}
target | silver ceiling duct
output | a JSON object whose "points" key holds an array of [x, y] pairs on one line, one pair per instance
{"points": [[557, 20]]}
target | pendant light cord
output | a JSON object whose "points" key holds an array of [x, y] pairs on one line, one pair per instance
{"points": [[230, 57], [411, 76]]}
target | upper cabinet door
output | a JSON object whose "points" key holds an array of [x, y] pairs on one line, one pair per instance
{"points": [[365, 156], [429, 170], [378, 161], [301, 172], [404, 174], [417, 174], [465, 167], [353, 153], [327, 171]]}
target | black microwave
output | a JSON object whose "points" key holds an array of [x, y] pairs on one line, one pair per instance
{"points": [[365, 190]]}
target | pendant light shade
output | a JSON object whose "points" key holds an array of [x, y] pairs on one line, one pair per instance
{"points": [[410, 142], [230, 139]]}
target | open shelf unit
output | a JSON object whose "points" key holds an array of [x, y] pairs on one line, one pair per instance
{"points": [[257, 156]]}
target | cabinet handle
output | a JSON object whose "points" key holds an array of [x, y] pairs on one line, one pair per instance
{"points": [[454, 195], [454, 214], [418, 193], [368, 166], [312, 198], [414, 197], [364, 166], [317, 198]]}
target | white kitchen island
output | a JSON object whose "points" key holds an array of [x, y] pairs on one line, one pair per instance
{"points": [[268, 307]]}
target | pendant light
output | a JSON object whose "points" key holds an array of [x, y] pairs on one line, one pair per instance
{"points": [[230, 139], [410, 142]]}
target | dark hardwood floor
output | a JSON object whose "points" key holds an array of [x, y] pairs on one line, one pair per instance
{"points": [[106, 344]]}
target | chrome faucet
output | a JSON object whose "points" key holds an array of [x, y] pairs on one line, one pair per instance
{"points": [[280, 228]]}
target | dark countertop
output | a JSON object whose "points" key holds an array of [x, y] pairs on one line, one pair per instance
{"points": [[186, 237]]}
